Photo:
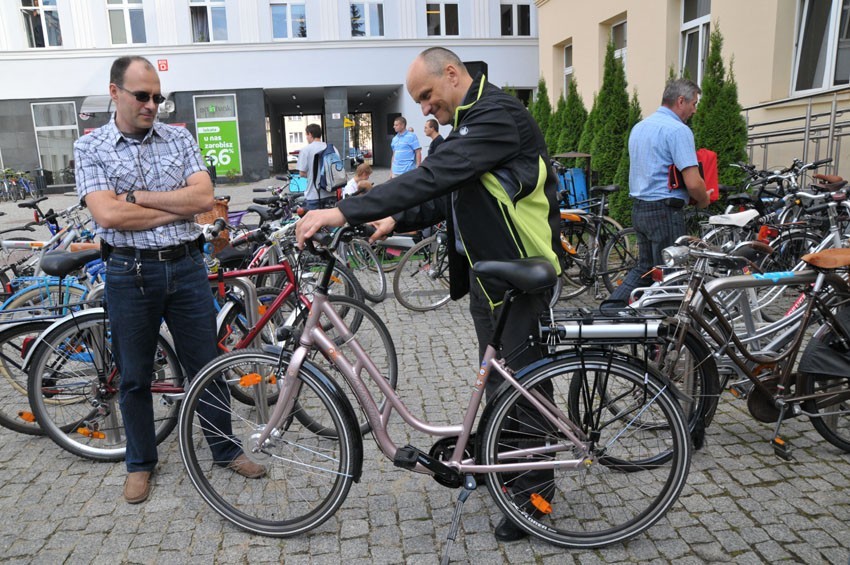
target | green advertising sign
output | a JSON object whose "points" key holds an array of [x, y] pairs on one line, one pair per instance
{"points": [[220, 140]]}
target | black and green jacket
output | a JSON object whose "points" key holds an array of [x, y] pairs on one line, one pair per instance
{"points": [[495, 169]]}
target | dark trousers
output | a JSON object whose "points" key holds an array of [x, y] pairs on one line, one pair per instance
{"points": [[178, 292], [522, 322], [657, 226]]}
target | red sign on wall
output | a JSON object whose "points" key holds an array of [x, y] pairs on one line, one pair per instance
{"points": [[162, 64]]}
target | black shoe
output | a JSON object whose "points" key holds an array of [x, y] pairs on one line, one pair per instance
{"points": [[508, 531]]}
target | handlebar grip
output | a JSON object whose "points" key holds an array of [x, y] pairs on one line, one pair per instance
{"points": [[821, 162], [219, 225]]}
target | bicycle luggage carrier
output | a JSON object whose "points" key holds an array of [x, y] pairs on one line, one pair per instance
{"points": [[574, 326]]}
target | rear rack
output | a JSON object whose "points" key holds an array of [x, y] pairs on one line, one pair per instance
{"points": [[575, 326]]}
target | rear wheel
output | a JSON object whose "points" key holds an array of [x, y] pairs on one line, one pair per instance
{"points": [[421, 282], [636, 462], [361, 259], [73, 388]]}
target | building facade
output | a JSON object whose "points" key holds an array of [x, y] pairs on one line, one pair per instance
{"points": [[240, 73], [791, 61]]}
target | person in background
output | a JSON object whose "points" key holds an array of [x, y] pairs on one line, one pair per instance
{"points": [[655, 143], [359, 183], [306, 165], [407, 153], [432, 130]]}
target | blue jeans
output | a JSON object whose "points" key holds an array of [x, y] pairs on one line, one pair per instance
{"points": [[178, 292], [657, 226]]}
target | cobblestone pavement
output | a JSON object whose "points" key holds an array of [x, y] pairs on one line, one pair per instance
{"points": [[741, 504]]}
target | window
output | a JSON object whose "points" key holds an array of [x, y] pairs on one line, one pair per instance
{"points": [[442, 18], [696, 19], [289, 19], [822, 51], [209, 20], [41, 20], [568, 68], [296, 137], [516, 18], [618, 36], [55, 132], [367, 19], [126, 21]]}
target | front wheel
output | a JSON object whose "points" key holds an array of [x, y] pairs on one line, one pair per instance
{"points": [[308, 475], [627, 472]]}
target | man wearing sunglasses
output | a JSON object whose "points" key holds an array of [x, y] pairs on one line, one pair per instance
{"points": [[143, 182]]}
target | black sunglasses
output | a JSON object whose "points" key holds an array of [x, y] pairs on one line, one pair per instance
{"points": [[143, 97]]}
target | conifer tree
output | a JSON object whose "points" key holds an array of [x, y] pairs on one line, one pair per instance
{"points": [[590, 127], [621, 206], [718, 124], [542, 110], [612, 120], [575, 116], [556, 126]]}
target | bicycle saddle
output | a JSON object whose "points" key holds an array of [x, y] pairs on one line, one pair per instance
{"points": [[60, 263], [829, 258], [531, 275], [739, 219]]}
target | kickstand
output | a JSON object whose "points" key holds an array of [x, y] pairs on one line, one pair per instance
{"points": [[469, 485]]}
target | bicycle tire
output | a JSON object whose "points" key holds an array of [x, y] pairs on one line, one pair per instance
{"points": [[577, 239], [15, 341], [80, 416], [421, 282], [388, 256], [830, 413], [308, 475], [619, 256], [360, 258], [43, 298], [634, 474]]}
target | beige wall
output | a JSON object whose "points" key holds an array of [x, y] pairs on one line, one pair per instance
{"points": [[758, 40]]}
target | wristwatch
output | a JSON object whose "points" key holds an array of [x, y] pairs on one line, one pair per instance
{"points": [[130, 197]]}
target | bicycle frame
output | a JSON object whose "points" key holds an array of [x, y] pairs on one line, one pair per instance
{"points": [[725, 334]]}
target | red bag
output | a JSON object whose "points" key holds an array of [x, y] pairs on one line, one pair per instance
{"points": [[707, 161], [708, 170]]}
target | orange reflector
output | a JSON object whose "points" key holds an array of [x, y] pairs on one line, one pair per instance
{"points": [[262, 309], [26, 416], [272, 380], [250, 379], [92, 434], [767, 234], [779, 440], [540, 503]]}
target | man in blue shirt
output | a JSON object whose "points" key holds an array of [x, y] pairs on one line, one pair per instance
{"points": [[407, 153], [655, 143]]}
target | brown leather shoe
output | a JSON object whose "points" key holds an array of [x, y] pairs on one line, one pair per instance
{"points": [[246, 467], [137, 487]]}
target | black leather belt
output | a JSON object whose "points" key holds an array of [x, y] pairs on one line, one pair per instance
{"points": [[165, 254], [676, 203]]}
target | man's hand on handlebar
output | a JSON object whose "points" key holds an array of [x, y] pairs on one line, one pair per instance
{"points": [[383, 228], [314, 220]]}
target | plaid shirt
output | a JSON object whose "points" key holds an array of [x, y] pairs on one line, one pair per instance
{"points": [[163, 160]]}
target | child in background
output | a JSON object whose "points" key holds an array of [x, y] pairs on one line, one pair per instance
{"points": [[360, 182]]}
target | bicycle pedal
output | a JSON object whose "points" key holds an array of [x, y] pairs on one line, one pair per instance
{"points": [[406, 457], [739, 391], [781, 449]]}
